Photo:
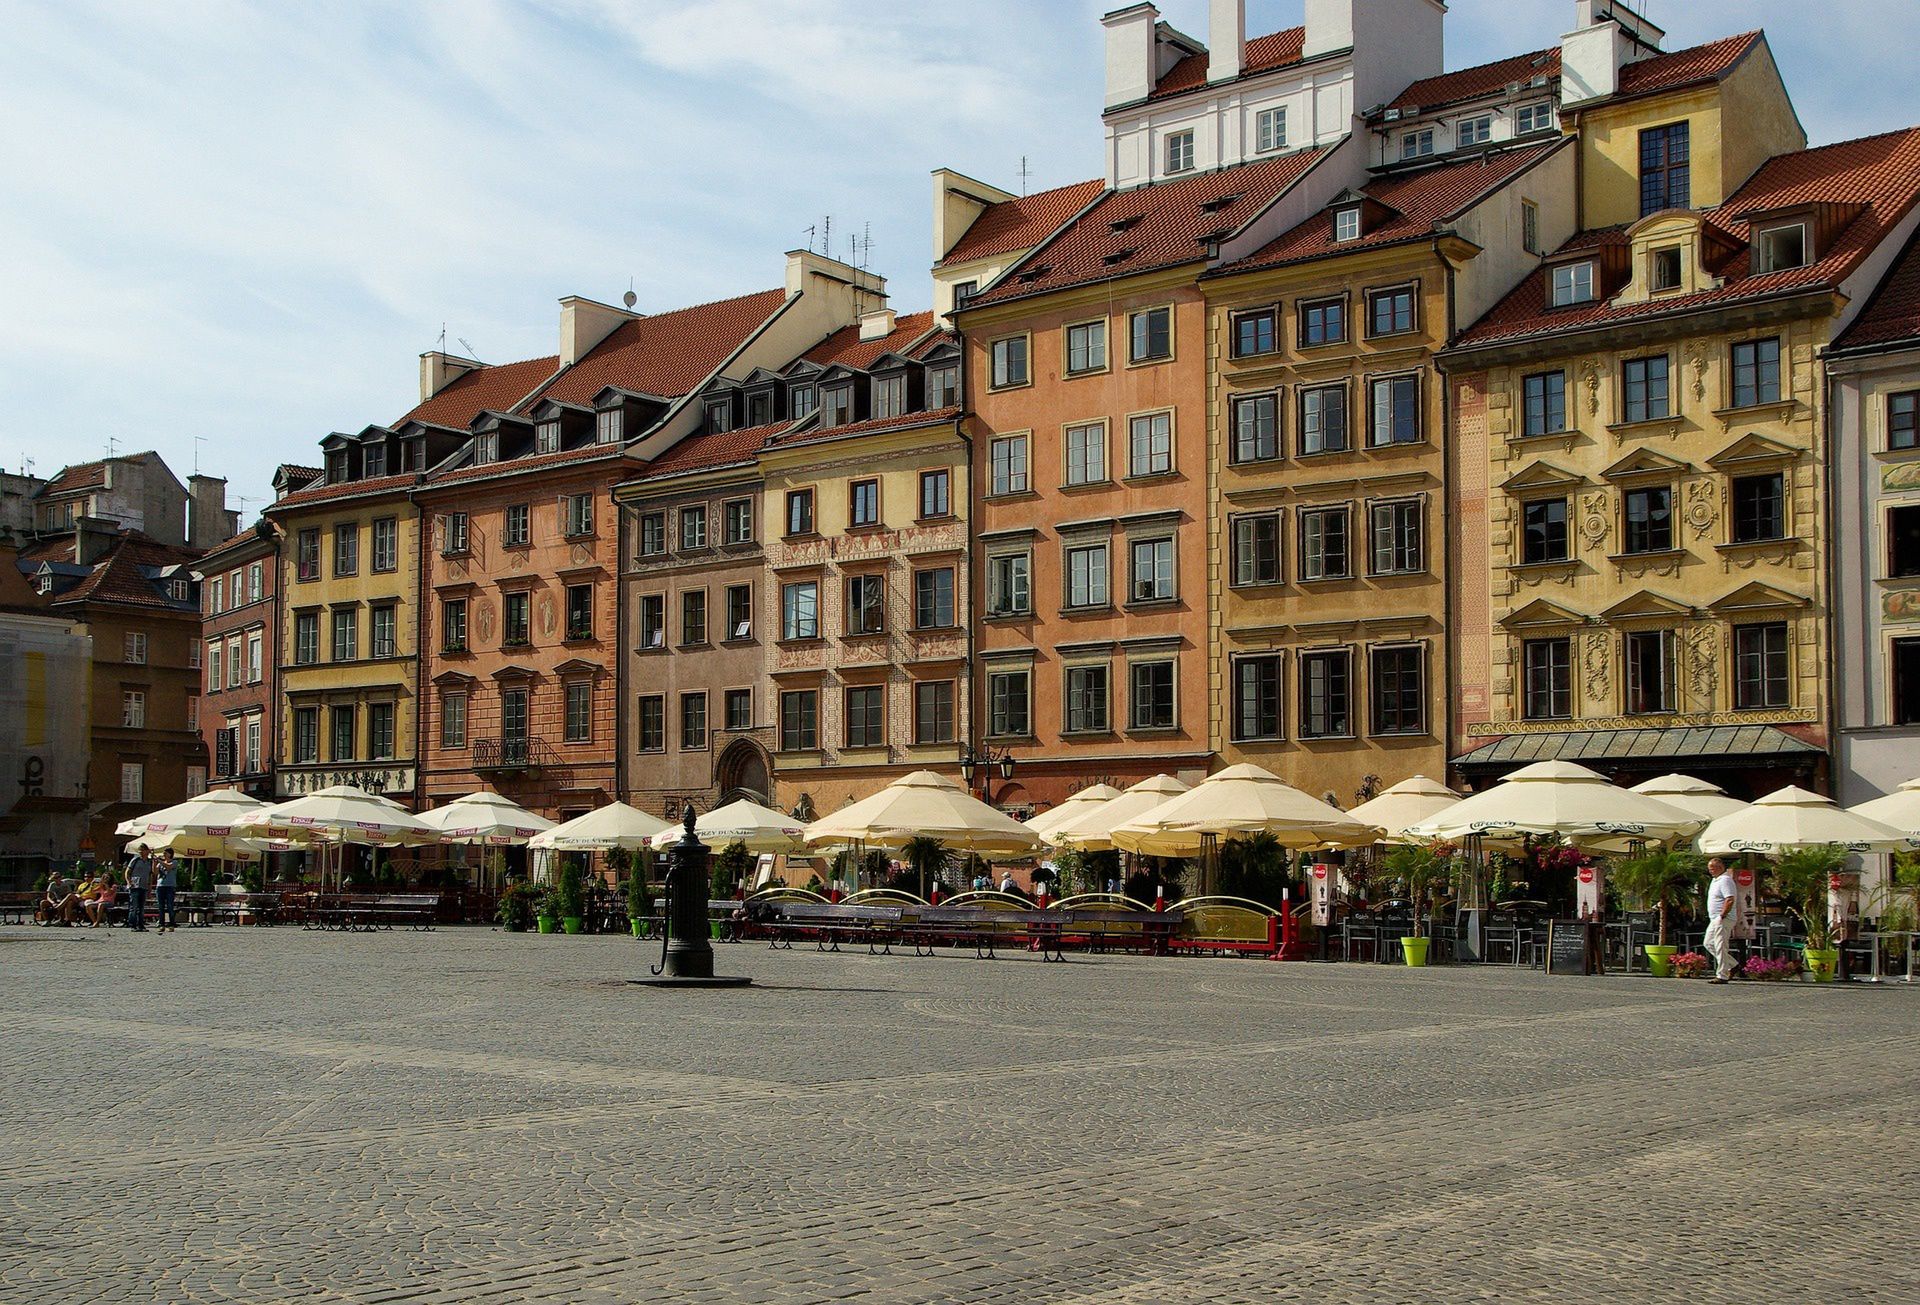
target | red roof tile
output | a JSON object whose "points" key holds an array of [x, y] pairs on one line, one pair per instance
{"points": [[118, 577], [1700, 63], [533, 462], [668, 354], [1264, 54], [872, 426], [1881, 173], [1485, 79], [699, 452], [1421, 201], [846, 348], [345, 489], [1892, 315], [1162, 225], [84, 475], [1019, 224], [489, 389]]}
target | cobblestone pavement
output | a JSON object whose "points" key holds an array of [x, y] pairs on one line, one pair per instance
{"points": [[272, 1115]]}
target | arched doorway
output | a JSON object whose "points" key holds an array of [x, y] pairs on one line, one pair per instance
{"points": [[743, 773]]}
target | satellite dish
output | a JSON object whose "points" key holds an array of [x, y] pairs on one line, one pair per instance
{"points": [[629, 298]]}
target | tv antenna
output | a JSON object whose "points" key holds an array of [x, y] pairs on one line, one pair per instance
{"points": [[110, 448], [471, 352], [26, 466], [198, 440], [1025, 172]]}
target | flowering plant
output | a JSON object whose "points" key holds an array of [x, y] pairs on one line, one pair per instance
{"points": [[1771, 971], [1692, 965]]}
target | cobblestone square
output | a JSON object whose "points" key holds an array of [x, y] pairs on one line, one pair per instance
{"points": [[274, 1115]]}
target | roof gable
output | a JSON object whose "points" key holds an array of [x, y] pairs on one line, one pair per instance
{"points": [[666, 355]]}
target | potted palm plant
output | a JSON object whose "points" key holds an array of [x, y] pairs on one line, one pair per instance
{"points": [[1418, 869], [1801, 878], [927, 857], [1661, 881], [569, 899]]}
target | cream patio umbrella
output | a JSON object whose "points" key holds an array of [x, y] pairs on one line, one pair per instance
{"points": [[1793, 818], [1092, 830], [488, 818], [759, 829], [1708, 801], [341, 814], [925, 804], [1407, 803], [200, 826], [614, 825], [1077, 805], [1900, 808], [1244, 799], [1558, 800]]}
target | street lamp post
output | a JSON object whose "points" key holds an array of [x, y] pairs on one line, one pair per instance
{"points": [[984, 764]]}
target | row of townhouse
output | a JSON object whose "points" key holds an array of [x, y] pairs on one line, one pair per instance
{"points": [[1366, 419]]}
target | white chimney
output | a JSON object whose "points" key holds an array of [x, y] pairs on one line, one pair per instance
{"points": [[1130, 53], [1226, 40], [873, 326], [585, 323], [1329, 26], [439, 370], [1607, 36]]}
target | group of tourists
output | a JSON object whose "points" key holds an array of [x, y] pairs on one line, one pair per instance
{"points": [[92, 901]]}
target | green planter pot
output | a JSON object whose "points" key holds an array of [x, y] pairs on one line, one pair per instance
{"points": [[548, 924], [1415, 950], [1660, 960], [574, 923], [718, 929], [1822, 962], [639, 928]]}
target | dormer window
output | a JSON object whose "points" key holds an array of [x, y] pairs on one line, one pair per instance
{"points": [[836, 405], [1537, 116], [45, 584], [1473, 131], [546, 437], [373, 460], [964, 290], [1346, 223], [1180, 152], [486, 449], [719, 417], [802, 400], [1664, 269], [1572, 283], [1781, 248], [889, 396], [760, 407], [413, 455], [1416, 144], [178, 591], [606, 426], [336, 467]]}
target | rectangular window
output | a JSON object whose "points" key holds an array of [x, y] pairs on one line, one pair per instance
{"points": [[1396, 411], [384, 629], [653, 620], [866, 716], [346, 636], [1150, 444], [1649, 519], [1781, 248], [866, 604], [1009, 362], [1086, 700], [1346, 224], [933, 599], [693, 528], [936, 494], [651, 726], [800, 512], [133, 709], [1390, 312], [801, 401], [739, 612], [800, 610], [1009, 462], [1548, 670], [306, 734], [516, 627], [346, 550], [943, 388], [133, 781], [1323, 419], [1256, 333], [933, 712], [216, 591], [1756, 372], [1903, 420], [1760, 666], [1152, 564], [306, 640], [133, 648], [1537, 116], [1257, 689], [193, 655], [1572, 284], [307, 554], [1665, 268], [739, 708], [653, 534], [1644, 384], [1649, 657], [1398, 677], [1544, 531], [1906, 682], [255, 761], [1151, 705], [1416, 144], [693, 721], [1665, 179], [693, 617], [516, 530], [577, 727], [737, 517], [579, 515], [487, 448], [1086, 347], [1323, 321], [1150, 335], [256, 582], [1180, 152], [235, 668], [546, 437], [1256, 549], [1256, 428], [345, 740], [800, 720], [1270, 130], [453, 541], [386, 544], [863, 503], [1759, 508], [1008, 701], [1087, 453], [1530, 226], [1087, 576], [606, 426], [1477, 130], [1326, 694], [256, 644], [889, 397], [1545, 396], [1324, 554], [1903, 542], [1396, 543], [1008, 585], [453, 720]]}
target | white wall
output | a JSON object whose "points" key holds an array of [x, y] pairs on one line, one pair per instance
{"points": [[1495, 224]]}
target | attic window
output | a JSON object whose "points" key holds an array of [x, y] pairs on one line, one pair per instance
{"points": [[1571, 283], [546, 437], [1117, 256], [1213, 237], [1035, 273], [1124, 224], [487, 449], [1664, 268], [44, 584], [1215, 205], [1781, 248], [1346, 223]]}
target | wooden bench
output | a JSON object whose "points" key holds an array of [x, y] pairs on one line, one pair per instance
{"points": [[18, 908]]}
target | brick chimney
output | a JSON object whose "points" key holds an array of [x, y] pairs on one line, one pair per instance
{"points": [[209, 521], [439, 370], [1130, 53], [585, 323], [93, 538], [1607, 36], [1226, 39]]}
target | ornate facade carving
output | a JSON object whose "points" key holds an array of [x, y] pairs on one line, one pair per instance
{"points": [[1598, 656], [1703, 506]]}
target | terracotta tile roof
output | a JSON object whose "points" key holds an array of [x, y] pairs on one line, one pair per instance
{"points": [[1422, 201], [1018, 224], [345, 489], [872, 426], [1164, 225], [1700, 63], [1485, 79], [1880, 173], [668, 354], [933, 342], [533, 462], [84, 475], [1892, 315], [846, 348], [294, 471], [248, 536], [494, 389], [700, 452], [118, 577], [1264, 54]]}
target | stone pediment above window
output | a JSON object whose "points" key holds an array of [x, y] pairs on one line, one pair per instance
{"points": [[454, 680], [1543, 614], [1647, 606], [1751, 452], [890, 362], [579, 666], [1646, 465], [944, 352], [515, 672], [761, 376], [1756, 597], [1542, 477]]}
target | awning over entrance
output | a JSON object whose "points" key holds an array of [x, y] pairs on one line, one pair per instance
{"points": [[1674, 749]]}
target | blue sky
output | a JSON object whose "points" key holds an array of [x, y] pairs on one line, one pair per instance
{"points": [[231, 228]]}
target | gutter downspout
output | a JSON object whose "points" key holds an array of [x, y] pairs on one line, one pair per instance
{"points": [[1449, 586]]}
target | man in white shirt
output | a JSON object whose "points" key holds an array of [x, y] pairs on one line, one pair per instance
{"points": [[1723, 915]]}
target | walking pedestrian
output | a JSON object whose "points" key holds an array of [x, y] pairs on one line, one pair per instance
{"points": [[139, 876], [1723, 911], [166, 878]]}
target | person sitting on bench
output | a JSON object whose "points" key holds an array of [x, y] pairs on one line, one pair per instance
{"points": [[61, 901], [100, 905]]}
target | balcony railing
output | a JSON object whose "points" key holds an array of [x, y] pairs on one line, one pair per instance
{"points": [[513, 754]]}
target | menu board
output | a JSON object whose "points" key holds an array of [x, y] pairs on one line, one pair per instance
{"points": [[1573, 947]]}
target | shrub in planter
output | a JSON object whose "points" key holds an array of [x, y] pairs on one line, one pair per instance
{"points": [[639, 892], [1692, 965], [1662, 881], [569, 898], [202, 877], [730, 869], [519, 904]]}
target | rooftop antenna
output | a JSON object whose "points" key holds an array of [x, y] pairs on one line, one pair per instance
{"points": [[110, 448], [826, 236], [1025, 172], [198, 440], [630, 298], [471, 353], [813, 237], [26, 466], [443, 337]]}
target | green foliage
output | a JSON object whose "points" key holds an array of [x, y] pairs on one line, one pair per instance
{"points": [[1256, 867], [928, 859], [1419, 872], [1508, 876], [731, 867], [1663, 880], [253, 876], [519, 904], [1168, 875], [569, 896], [1800, 878], [203, 876], [639, 891]]}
